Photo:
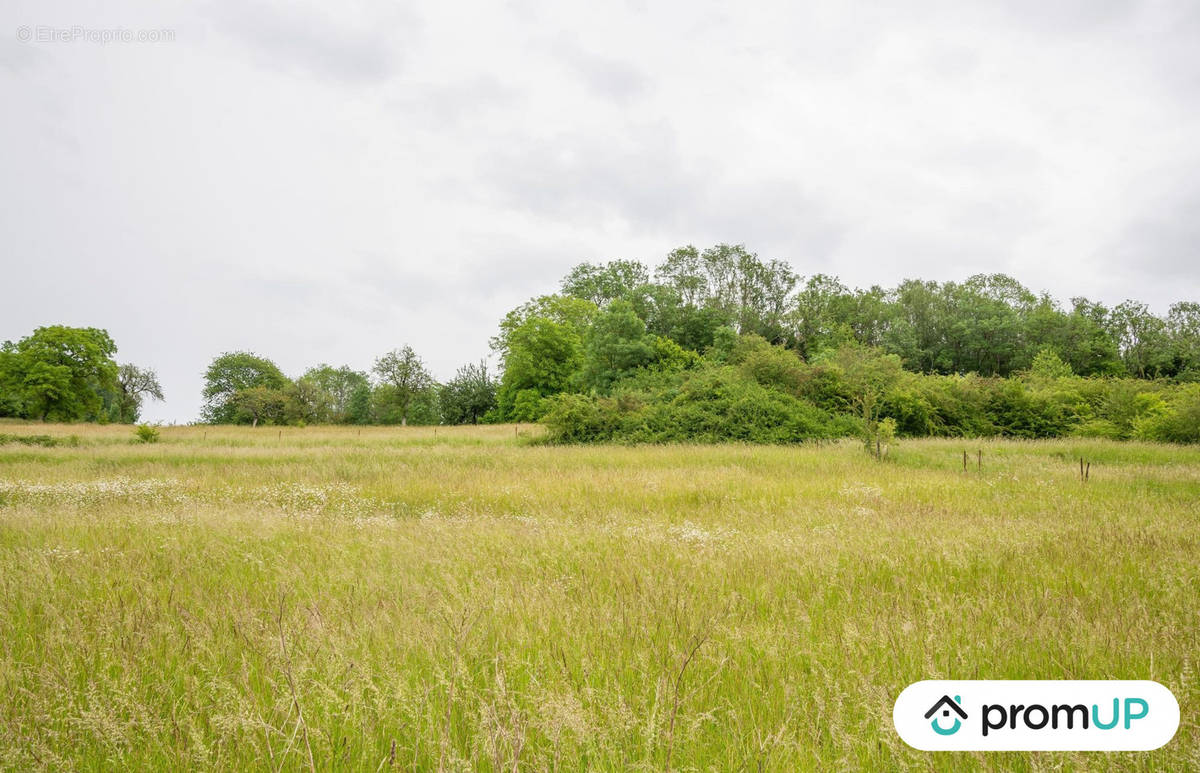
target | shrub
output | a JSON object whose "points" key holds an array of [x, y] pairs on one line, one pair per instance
{"points": [[45, 441], [576, 419], [1018, 412], [1100, 428], [146, 433], [1179, 423], [714, 404], [528, 406]]}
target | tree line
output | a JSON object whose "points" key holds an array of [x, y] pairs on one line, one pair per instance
{"points": [[625, 339], [245, 388]]}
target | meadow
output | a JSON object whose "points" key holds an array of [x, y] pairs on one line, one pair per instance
{"points": [[469, 599]]}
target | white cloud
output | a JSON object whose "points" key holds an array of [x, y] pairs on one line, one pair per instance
{"points": [[324, 184]]}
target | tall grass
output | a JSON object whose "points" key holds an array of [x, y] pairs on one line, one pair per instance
{"points": [[319, 598]]}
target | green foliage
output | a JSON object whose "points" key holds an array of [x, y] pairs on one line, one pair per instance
{"points": [[403, 372], [771, 366], [724, 340], [45, 441], [868, 374], [617, 345], [421, 408], [573, 313], [258, 405], [528, 405], [602, 284], [845, 351], [469, 396], [1048, 366], [710, 404], [146, 433], [234, 373], [58, 373], [134, 385], [545, 357], [332, 394], [1176, 422]]}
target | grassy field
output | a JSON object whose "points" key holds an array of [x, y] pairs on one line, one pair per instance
{"points": [[330, 598]]}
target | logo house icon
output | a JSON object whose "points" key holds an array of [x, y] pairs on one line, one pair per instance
{"points": [[945, 705]]}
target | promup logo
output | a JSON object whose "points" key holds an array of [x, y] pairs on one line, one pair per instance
{"points": [[1036, 715], [949, 704]]}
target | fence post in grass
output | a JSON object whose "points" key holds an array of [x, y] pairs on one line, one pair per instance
{"points": [[1087, 473], [964, 461], [1081, 468], [979, 460]]}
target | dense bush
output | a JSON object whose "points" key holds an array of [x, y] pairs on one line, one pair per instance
{"points": [[1178, 422], [750, 391], [711, 404]]}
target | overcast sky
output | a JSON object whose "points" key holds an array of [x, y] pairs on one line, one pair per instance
{"points": [[326, 183]]}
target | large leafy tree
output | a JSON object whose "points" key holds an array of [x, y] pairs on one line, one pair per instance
{"points": [[306, 402], [469, 396], [404, 373], [575, 313], [59, 373], [1183, 331], [821, 315], [12, 402], [604, 283], [1142, 338], [234, 372], [336, 388], [543, 358]]}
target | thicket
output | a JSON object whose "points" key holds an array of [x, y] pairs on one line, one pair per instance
{"points": [[761, 393]]}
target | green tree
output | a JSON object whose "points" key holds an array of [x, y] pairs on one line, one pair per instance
{"points": [[1183, 332], [467, 398], [12, 398], [821, 314], [574, 313], [338, 387], [617, 345], [258, 405], [869, 373], [307, 402], [403, 371], [602, 284], [233, 372], [544, 356], [1142, 338], [60, 373], [134, 385]]}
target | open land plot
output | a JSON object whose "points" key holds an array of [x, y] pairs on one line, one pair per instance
{"points": [[467, 599]]}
